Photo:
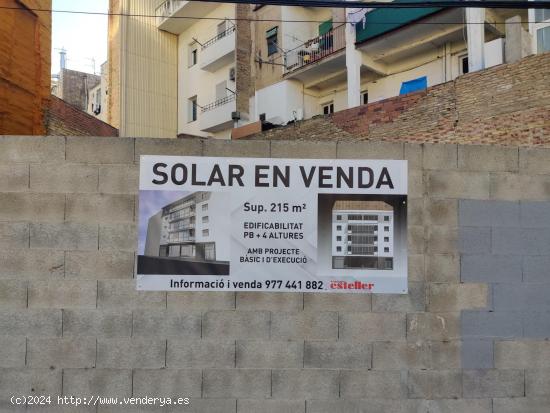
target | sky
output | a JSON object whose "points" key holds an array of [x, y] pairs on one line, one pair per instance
{"points": [[84, 37]]}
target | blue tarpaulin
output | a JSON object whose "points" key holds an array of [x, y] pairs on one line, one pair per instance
{"points": [[414, 85]]}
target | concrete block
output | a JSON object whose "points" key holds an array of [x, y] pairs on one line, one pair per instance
{"points": [[127, 353], [100, 208], [413, 153], [442, 268], [200, 301], [534, 160], [416, 268], [521, 297], [521, 404], [77, 352], [397, 355], [200, 354], [535, 214], [32, 207], [370, 327], [441, 212], [460, 185], [27, 263], [97, 382], [121, 237], [370, 150], [14, 235], [358, 384], [437, 156], [165, 324], [99, 265], [307, 325], [415, 211], [475, 240], [536, 269], [499, 324], [24, 382], [271, 406], [32, 149], [30, 323], [513, 187], [433, 326], [236, 325], [242, 148], [475, 213], [337, 302], [445, 354], [62, 294], [536, 324], [488, 158], [269, 301], [303, 150], [416, 184], [416, 240], [211, 406], [527, 354], [367, 405], [63, 178], [460, 406], [442, 240], [12, 352], [415, 300], [491, 268], [523, 241], [95, 323], [493, 383], [537, 382], [122, 294], [269, 354], [167, 383], [14, 177], [118, 179], [100, 150], [305, 384], [442, 384], [64, 236], [170, 147], [456, 297], [13, 294], [337, 355], [237, 383], [477, 353]]}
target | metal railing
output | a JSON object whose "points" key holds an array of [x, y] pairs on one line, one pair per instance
{"points": [[316, 49], [218, 103], [167, 8], [218, 37]]}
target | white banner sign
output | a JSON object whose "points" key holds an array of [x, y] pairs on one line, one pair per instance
{"points": [[249, 224]]}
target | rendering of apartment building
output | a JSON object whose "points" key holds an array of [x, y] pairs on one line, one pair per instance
{"points": [[189, 229], [362, 235]]}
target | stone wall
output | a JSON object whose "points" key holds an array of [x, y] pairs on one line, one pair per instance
{"points": [[72, 322]]}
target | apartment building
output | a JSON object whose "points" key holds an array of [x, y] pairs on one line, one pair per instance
{"points": [[362, 235], [97, 96], [189, 228]]}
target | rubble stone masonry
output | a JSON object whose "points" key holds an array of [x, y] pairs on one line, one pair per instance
{"points": [[72, 322]]}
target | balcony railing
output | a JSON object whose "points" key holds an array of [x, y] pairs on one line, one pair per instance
{"points": [[167, 9], [316, 49], [218, 37], [218, 103]]}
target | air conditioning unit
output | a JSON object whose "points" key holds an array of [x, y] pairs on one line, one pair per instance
{"points": [[232, 74]]}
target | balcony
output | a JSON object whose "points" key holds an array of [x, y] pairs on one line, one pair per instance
{"points": [[216, 116], [218, 51], [318, 60], [176, 16]]}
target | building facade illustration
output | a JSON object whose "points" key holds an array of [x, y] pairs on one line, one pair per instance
{"points": [[362, 235]]}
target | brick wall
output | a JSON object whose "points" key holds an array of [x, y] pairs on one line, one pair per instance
{"points": [[505, 105], [72, 322]]}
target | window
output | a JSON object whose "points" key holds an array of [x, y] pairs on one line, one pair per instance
{"points": [[338, 217], [339, 249], [386, 229], [193, 54], [463, 67], [192, 109], [542, 15], [338, 238], [205, 233], [205, 207], [543, 39], [386, 239], [365, 97], [386, 249], [328, 108], [386, 218], [271, 39], [205, 219], [338, 227]]}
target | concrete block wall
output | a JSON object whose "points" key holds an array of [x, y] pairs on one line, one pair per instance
{"points": [[470, 337]]}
